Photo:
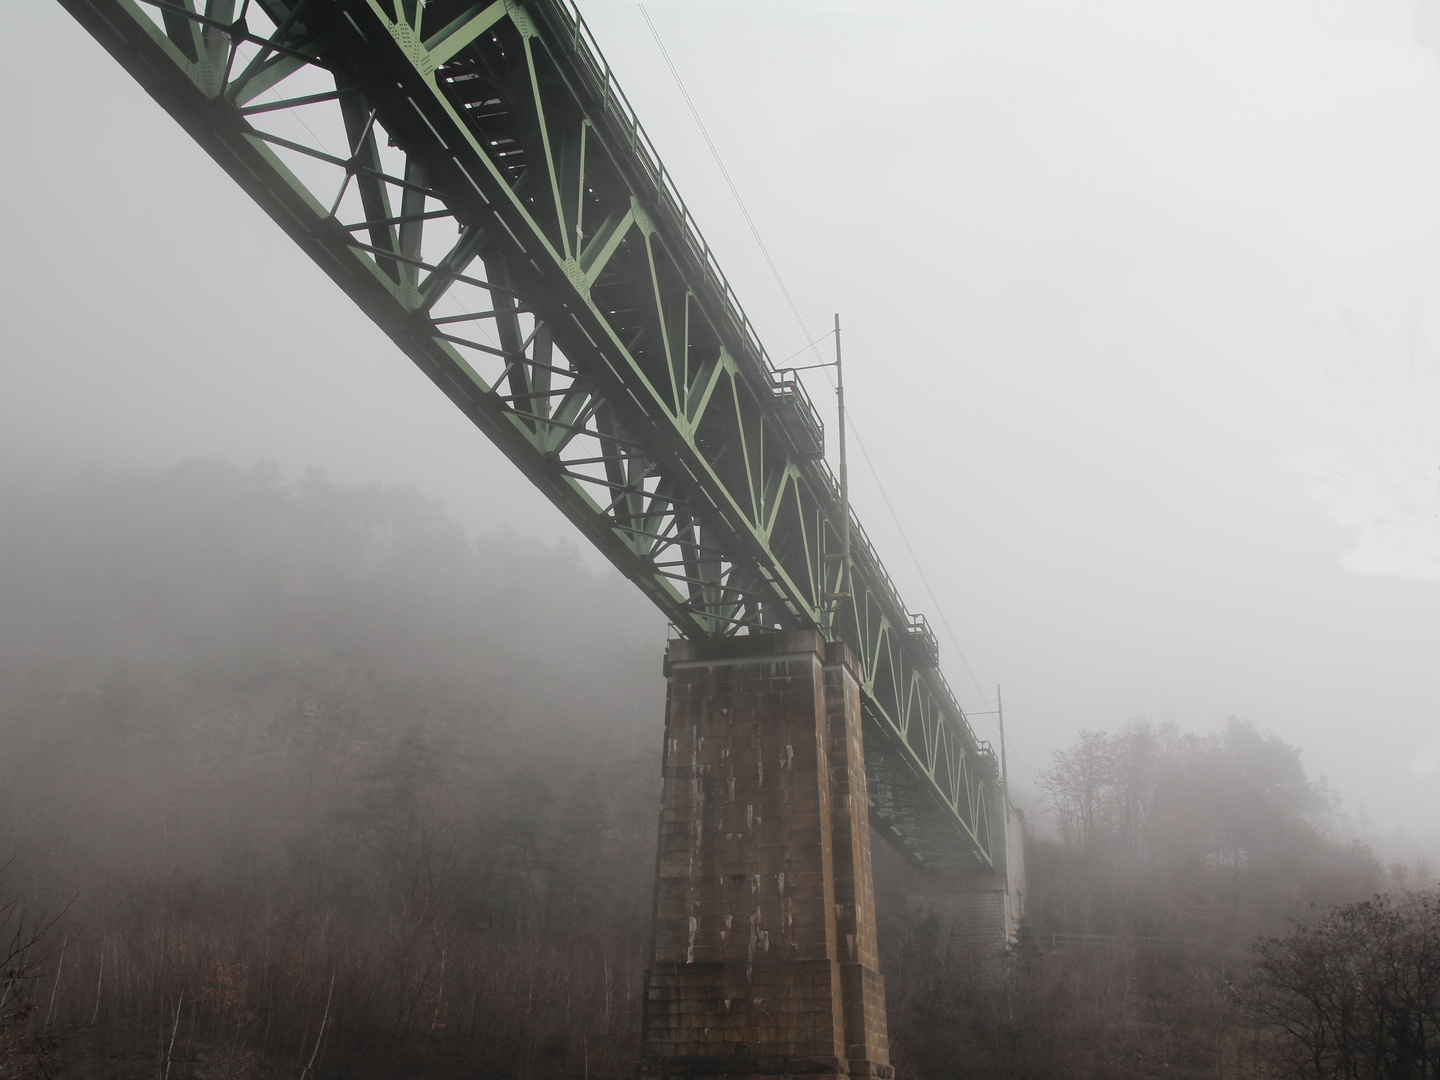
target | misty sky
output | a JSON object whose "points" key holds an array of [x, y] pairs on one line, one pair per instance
{"points": [[1142, 316]]}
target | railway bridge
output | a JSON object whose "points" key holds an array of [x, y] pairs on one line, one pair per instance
{"points": [[474, 179]]}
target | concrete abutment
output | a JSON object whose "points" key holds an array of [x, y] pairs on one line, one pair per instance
{"points": [[764, 958]]}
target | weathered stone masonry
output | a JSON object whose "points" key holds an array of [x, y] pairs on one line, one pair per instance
{"points": [[981, 910], [764, 954]]}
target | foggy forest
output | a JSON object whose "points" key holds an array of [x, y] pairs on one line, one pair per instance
{"points": [[300, 780]]}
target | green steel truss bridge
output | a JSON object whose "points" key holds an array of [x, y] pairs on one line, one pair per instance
{"points": [[474, 179]]}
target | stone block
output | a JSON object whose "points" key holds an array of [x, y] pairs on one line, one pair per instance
{"points": [[763, 881]]}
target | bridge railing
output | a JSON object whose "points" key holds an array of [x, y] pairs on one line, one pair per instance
{"points": [[808, 432], [590, 58], [1056, 942], [587, 52], [862, 549]]}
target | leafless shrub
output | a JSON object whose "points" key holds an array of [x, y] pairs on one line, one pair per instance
{"points": [[24, 1043], [1354, 992]]}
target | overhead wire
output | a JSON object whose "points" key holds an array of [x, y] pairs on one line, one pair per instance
{"points": [[1010, 749], [730, 183], [915, 559], [811, 344]]}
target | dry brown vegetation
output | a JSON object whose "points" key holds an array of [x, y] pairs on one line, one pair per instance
{"points": [[1138, 957], [335, 791], [1355, 992], [332, 791]]}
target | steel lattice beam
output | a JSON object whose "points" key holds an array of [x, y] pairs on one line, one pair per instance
{"points": [[473, 178]]}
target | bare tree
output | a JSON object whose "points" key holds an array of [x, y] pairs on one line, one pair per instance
{"points": [[24, 1045], [1356, 993], [1079, 786]]}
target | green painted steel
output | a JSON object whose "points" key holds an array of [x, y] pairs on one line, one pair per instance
{"points": [[472, 176]]}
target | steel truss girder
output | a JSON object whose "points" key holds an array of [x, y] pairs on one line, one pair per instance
{"points": [[574, 312]]}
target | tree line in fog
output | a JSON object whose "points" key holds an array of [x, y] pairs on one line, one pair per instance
{"points": [[298, 780], [1198, 912], [323, 785]]}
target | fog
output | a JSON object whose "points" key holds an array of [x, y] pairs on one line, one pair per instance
{"points": [[1140, 307], [317, 783]]}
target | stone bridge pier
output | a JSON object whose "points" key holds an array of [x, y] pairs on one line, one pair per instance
{"points": [[764, 957]]}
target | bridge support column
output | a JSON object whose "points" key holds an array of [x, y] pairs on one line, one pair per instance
{"points": [[980, 911], [764, 953]]}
